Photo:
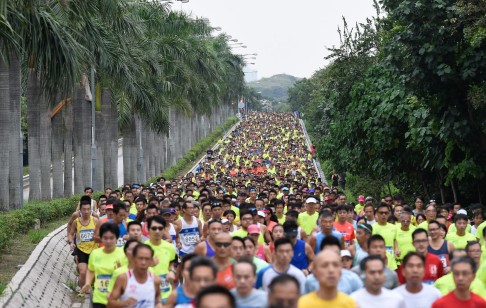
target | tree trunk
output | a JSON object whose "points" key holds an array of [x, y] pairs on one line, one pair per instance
{"points": [[126, 155], [100, 151], [171, 140], [45, 148], [5, 127], [454, 191], [108, 135], [57, 148], [16, 187], [34, 94], [78, 139], [157, 153], [140, 175], [86, 142], [68, 148]]}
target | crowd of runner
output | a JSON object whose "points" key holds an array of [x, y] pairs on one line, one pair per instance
{"points": [[255, 226]]}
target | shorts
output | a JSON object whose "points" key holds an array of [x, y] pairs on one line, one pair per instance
{"points": [[82, 257], [97, 305]]}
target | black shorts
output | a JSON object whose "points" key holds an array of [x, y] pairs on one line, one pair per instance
{"points": [[82, 257], [96, 305]]}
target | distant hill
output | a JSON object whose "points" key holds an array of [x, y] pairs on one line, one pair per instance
{"points": [[274, 87]]}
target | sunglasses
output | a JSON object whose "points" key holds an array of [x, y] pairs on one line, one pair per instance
{"points": [[157, 228], [221, 244]]}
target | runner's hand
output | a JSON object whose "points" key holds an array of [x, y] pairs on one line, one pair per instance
{"points": [[397, 253], [72, 246], [85, 288], [171, 277]]}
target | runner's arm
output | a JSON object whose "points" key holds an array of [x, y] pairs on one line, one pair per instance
{"points": [[310, 254], [96, 235], [171, 300], [72, 231], [118, 289], [200, 249], [158, 299]]}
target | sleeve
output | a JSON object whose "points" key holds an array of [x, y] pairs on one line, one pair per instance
{"points": [[356, 283], [91, 261], [259, 281]]}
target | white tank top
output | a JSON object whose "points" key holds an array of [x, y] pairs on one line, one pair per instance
{"points": [[189, 235], [144, 293], [173, 235]]}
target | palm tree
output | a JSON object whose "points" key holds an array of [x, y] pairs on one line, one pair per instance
{"points": [[68, 149]]}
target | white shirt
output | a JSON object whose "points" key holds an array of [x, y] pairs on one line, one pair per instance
{"points": [[386, 298], [422, 299]]}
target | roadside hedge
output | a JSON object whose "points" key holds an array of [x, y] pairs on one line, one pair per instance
{"points": [[13, 223]]}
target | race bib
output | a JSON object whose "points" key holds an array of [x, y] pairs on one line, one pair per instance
{"points": [[191, 238], [102, 281], [389, 249], [86, 235], [164, 284], [120, 242], [443, 258]]}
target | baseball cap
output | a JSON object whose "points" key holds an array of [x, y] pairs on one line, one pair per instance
{"points": [[462, 211], [225, 221], [109, 207], [345, 253], [165, 211], [311, 200], [361, 198], [285, 188], [262, 214], [291, 231], [369, 198], [253, 229]]}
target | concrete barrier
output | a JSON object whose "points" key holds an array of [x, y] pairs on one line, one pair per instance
{"points": [[42, 280]]}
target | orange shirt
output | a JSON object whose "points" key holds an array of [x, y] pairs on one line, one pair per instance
{"points": [[347, 231], [225, 278]]}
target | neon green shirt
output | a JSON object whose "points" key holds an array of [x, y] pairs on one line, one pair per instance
{"points": [[166, 253], [460, 242], [446, 284], [103, 265], [308, 222], [404, 240], [388, 232], [242, 233]]}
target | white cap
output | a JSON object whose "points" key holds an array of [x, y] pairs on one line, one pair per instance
{"points": [[260, 213], [311, 200], [224, 220], [345, 253], [462, 211]]}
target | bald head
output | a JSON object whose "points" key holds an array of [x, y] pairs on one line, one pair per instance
{"points": [[223, 237]]}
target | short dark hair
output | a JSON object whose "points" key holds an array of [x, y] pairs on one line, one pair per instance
{"points": [[246, 212], [118, 206], [471, 243], [292, 213], [203, 262], [281, 280], [128, 243], [239, 239], [419, 231], [364, 262], [212, 221], [411, 254], [215, 289], [109, 227], [246, 260], [375, 238], [460, 217], [383, 204], [133, 223], [158, 219], [281, 241], [142, 246], [464, 259], [330, 240]]}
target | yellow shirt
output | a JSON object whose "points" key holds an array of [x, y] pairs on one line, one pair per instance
{"points": [[312, 300], [388, 232], [308, 222], [166, 253], [404, 240], [460, 242], [446, 284], [85, 235]]}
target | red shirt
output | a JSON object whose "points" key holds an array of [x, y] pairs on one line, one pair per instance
{"points": [[347, 231], [434, 269], [451, 301], [225, 278]]}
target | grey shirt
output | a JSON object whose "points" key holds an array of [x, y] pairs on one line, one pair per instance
{"points": [[391, 278], [256, 299]]}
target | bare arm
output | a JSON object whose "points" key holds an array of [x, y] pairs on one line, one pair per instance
{"points": [[172, 299], [118, 289], [89, 280], [158, 299], [73, 218], [72, 231], [268, 254], [310, 254], [96, 236], [200, 249]]}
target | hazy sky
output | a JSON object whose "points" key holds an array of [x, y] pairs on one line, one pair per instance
{"points": [[289, 36]]}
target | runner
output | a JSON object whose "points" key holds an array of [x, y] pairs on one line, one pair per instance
{"points": [[83, 227], [244, 276], [206, 247], [102, 263], [137, 287], [164, 255], [189, 229]]}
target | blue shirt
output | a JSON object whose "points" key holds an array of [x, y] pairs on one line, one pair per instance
{"points": [[348, 283], [320, 236]]}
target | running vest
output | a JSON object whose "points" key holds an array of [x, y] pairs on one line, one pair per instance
{"points": [[260, 254], [182, 298], [173, 234], [85, 235], [299, 259], [209, 250], [442, 253], [144, 293], [189, 236]]}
